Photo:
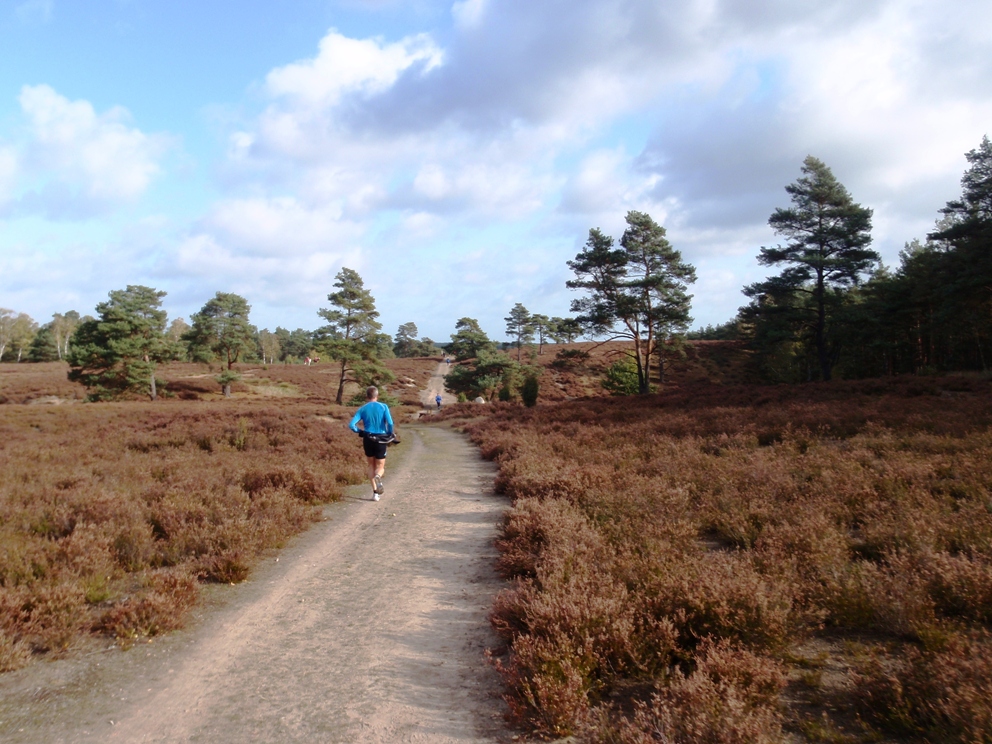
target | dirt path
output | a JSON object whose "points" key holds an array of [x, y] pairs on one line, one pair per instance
{"points": [[435, 387], [371, 627]]}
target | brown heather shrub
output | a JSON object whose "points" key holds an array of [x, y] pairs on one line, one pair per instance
{"points": [[645, 530], [13, 654], [730, 698], [159, 605], [944, 690], [575, 631], [110, 513], [720, 596]]}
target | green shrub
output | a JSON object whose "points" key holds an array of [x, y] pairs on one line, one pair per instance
{"points": [[530, 390], [621, 377]]}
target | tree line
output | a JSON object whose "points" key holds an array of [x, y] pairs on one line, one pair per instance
{"points": [[833, 309], [117, 352], [836, 310]]}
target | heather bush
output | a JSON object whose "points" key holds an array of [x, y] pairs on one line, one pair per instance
{"points": [[111, 513], [646, 532], [729, 698], [944, 689]]}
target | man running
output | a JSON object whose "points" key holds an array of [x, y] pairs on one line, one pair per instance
{"points": [[437, 399], [376, 431]]}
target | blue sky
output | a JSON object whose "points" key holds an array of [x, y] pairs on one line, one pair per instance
{"points": [[456, 154]]}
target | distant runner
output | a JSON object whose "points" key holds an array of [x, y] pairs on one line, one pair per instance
{"points": [[376, 433], [437, 399]]}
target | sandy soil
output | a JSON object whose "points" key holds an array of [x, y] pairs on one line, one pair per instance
{"points": [[435, 387], [371, 627]]}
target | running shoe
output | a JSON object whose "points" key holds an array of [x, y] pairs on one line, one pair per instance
{"points": [[378, 486], [375, 496]]}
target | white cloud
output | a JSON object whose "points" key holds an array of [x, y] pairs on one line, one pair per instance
{"points": [[278, 227], [99, 154], [273, 251], [287, 281], [345, 65], [604, 184]]}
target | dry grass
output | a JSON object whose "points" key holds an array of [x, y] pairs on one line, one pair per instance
{"points": [[671, 554], [110, 514]]}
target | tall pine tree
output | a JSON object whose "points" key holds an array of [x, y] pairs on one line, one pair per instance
{"points": [[352, 336], [827, 236], [636, 291]]}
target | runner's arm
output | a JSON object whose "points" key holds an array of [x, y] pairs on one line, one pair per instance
{"points": [[354, 420]]}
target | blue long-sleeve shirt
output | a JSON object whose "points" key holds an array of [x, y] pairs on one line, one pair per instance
{"points": [[375, 418]]}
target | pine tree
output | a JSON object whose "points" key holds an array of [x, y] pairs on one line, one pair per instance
{"points": [[636, 291], [222, 329], [967, 230], [520, 326], [116, 353], [469, 340], [828, 236], [352, 336]]}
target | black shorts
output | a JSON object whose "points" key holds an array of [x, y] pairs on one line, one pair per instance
{"points": [[373, 448]]}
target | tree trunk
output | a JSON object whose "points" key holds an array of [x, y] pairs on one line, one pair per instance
{"points": [[154, 392], [821, 330], [227, 390], [339, 399], [642, 381]]}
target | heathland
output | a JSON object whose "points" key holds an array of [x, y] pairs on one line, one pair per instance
{"points": [[721, 561], [113, 514], [744, 563]]}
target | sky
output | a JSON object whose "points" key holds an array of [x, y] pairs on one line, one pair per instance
{"points": [[456, 154]]}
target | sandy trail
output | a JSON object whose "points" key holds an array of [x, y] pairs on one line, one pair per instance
{"points": [[435, 387], [371, 627]]}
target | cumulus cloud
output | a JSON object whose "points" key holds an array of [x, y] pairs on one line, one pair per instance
{"points": [[564, 114], [276, 251], [344, 65], [74, 162]]}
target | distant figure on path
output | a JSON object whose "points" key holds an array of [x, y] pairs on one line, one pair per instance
{"points": [[437, 399], [376, 433]]}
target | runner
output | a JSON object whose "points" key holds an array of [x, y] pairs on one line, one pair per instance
{"points": [[437, 399], [376, 432]]}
